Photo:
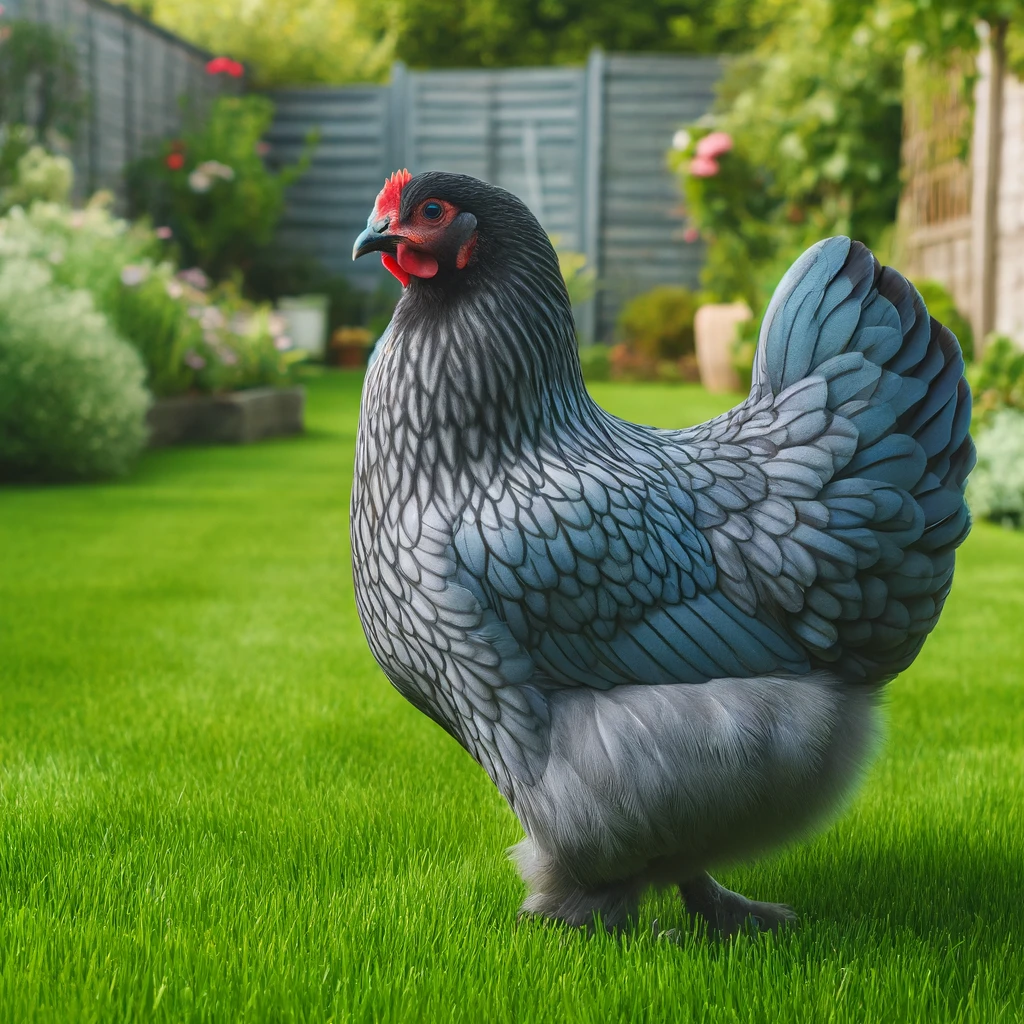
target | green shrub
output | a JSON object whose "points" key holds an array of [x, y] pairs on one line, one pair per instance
{"points": [[580, 280], [595, 362], [659, 324], [72, 400], [191, 338], [996, 488], [212, 187], [743, 350], [38, 175], [941, 306], [997, 379]]}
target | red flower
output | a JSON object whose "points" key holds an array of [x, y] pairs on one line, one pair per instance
{"points": [[225, 65], [175, 161]]}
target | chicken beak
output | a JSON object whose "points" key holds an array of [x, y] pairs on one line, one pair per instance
{"points": [[376, 239]]}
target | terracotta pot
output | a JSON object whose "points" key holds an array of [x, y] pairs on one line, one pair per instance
{"points": [[714, 329], [349, 357]]}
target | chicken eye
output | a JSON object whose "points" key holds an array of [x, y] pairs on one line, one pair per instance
{"points": [[432, 210]]}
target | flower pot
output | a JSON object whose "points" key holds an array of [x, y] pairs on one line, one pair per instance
{"points": [[306, 319], [714, 329]]}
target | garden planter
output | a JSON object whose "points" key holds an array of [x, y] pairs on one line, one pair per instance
{"points": [[306, 317], [238, 417], [714, 329]]}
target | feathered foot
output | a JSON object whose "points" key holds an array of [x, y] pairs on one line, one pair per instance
{"points": [[725, 913]]}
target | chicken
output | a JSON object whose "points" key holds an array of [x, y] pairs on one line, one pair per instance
{"points": [[665, 647]]}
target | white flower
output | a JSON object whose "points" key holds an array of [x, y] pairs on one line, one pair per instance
{"points": [[282, 343], [174, 290], [212, 319], [681, 139], [199, 182], [133, 274], [215, 169]]}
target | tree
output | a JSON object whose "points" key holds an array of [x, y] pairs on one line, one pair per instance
{"points": [[504, 33]]}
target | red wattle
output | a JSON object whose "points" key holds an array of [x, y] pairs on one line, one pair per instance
{"points": [[393, 268], [419, 264]]}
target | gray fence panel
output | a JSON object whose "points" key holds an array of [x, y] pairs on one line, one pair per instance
{"points": [[646, 99], [134, 75], [583, 147], [328, 206]]}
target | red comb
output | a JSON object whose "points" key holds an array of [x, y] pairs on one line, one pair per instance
{"points": [[390, 196]]}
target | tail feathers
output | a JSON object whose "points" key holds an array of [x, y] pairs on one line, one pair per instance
{"points": [[896, 376]]}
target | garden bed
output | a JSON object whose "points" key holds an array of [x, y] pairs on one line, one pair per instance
{"points": [[238, 417]]}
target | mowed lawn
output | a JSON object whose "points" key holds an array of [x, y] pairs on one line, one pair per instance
{"points": [[213, 807]]}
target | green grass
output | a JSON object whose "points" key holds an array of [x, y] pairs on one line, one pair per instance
{"points": [[213, 806]]}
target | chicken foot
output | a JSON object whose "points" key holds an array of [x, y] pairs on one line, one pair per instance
{"points": [[725, 913]]}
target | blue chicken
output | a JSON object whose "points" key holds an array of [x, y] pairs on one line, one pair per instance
{"points": [[665, 647]]}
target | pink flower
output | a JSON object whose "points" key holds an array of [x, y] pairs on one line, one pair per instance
{"points": [[282, 343], [194, 360], [714, 145], [691, 235], [164, 233], [262, 148], [703, 167], [226, 66], [194, 277]]}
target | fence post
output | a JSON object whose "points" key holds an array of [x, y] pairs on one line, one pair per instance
{"points": [[985, 200], [593, 144], [396, 144]]}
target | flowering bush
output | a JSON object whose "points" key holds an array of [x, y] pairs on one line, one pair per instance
{"points": [[72, 400], [658, 324], [38, 175], [191, 336], [997, 379], [212, 188], [996, 487], [804, 143]]}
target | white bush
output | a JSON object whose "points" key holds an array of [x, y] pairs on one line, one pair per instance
{"points": [[72, 398], [996, 489]]}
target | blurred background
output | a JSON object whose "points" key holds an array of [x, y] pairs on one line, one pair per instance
{"points": [[199, 169]]}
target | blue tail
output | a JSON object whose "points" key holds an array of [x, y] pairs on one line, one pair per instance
{"points": [[896, 374]]}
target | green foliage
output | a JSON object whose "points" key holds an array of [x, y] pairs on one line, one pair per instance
{"points": [[580, 280], [744, 348], [659, 323], [212, 187], [997, 379], [191, 338], [504, 33], [273, 275], [996, 487], [38, 175], [72, 400], [595, 362], [284, 42], [941, 306], [813, 116], [305, 41], [38, 79]]}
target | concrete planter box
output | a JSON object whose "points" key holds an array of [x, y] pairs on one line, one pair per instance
{"points": [[238, 417]]}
